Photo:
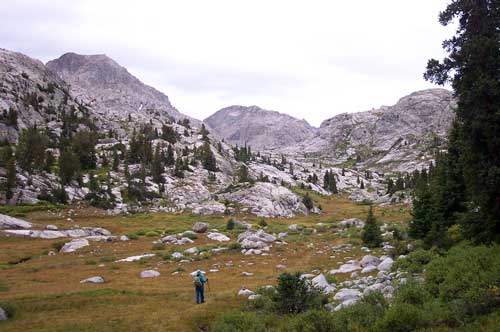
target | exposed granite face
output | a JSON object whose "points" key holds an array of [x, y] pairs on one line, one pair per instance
{"points": [[35, 93], [111, 90], [259, 128], [398, 138]]}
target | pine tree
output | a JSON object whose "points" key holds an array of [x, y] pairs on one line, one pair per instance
{"points": [[168, 134], [11, 177], [69, 166], [208, 158], [243, 174], [170, 159], [157, 166], [473, 68], [307, 201], [362, 185], [83, 144], [116, 160], [30, 152], [371, 235]]}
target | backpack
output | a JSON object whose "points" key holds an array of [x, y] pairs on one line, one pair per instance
{"points": [[197, 281]]}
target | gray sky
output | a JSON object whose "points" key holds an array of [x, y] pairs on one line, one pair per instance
{"points": [[310, 59]]}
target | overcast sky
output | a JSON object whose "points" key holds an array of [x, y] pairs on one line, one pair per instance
{"points": [[310, 59]]}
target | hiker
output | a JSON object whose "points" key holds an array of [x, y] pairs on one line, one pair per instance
{"points": [[199, 281]]}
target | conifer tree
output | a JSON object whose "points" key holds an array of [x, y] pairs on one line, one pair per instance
{"points": [[169, 158], [11, 177], [472, 66], [307, 201], [69, 166], [371, 235], [157, 166]]}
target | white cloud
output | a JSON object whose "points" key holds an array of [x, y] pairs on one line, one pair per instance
{"points": [[311, 59]]}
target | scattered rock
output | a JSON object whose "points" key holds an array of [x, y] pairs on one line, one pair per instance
{"points": [[246, 274], [149, 274], [369, 260], [3, 314], [191, 251], [347, 294], [94, 280], [218, 237], [135, 258], [51, 227], [74, 245], [352, 222], [200, 227], [124, 238], [245, 292]]}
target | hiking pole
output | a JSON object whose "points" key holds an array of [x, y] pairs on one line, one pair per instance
{"points": [[208, 285]]}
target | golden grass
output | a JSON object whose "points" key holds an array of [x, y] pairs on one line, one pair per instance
{"points": [[48, 297]]}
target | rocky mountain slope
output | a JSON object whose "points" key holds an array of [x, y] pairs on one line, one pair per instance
{"points": [[147, 162], [259, 128], [396, 138], [101, 83]]}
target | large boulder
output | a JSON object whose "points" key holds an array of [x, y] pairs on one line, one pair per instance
{"points": [[7, 222], [74, 245], [347, 294], [369, 260], [218, 237], [200, 227], [321, 283], [386, 264]]}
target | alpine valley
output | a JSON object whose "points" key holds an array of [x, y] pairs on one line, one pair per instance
{"points": [[85, 130]]}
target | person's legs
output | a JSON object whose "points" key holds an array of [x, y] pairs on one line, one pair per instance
{"points": [[198, 294], [202, 294]]}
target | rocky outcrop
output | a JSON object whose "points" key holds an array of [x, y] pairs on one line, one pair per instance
{"points": [[398, 138], [7, 222], [259, 128], [268, 200], [111, 90]]}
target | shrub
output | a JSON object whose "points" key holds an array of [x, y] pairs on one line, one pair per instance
{"points": [[141, 232], [294, 294], [307, 231], [262, 222], [90, 262], [230, 224], [107, 259], [152, 233], [133, 236], [234, 246], [238, 321], [402, 317], [468, 274], [58, 245], [412, 293], [158, 246], [190, 236], [321, 228], [415, 261], [315, 320]]}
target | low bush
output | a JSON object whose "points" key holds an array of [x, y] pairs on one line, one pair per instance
{"points": [[152, 233], [416, 261], [158, 246], [58, 245], [190, 236], [230, 224], [90, 262], [133, 236], [468, 274], [239, 321]]}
